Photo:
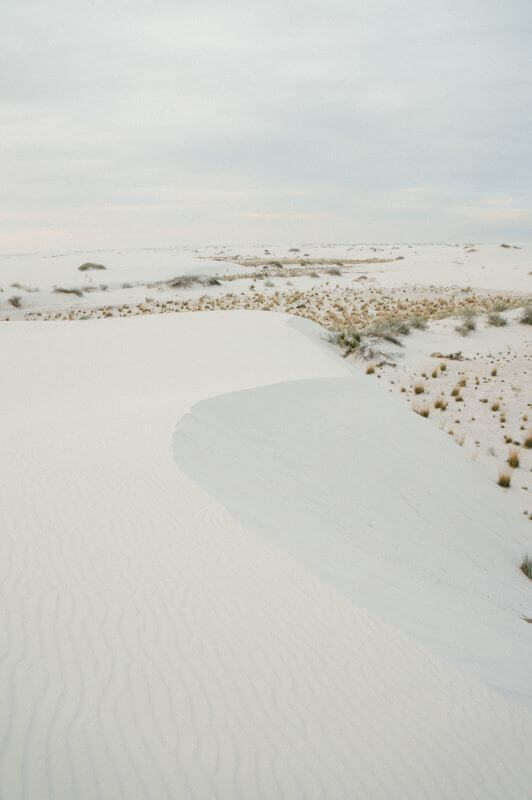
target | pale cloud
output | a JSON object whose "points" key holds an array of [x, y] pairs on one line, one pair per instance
{"points": [[134, 123]]}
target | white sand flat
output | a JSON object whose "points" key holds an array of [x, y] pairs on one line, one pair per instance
{"points": [[157, 646]]}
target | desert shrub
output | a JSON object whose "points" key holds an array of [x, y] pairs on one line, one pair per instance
{"points": [[183, 281], [64, 290], [526, 316], [527, 440], [496, 320], [401, 327], [212, 281], [423, 411], [468, 323], [370, 369], [495, 406], [381, 329], [90, 265], [526, 566], [16, 301], [333, 271], [419, 387], [417, 322], [500, 305], [349, 339]]}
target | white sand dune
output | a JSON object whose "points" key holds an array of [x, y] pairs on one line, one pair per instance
{"points": [[156, 645]]}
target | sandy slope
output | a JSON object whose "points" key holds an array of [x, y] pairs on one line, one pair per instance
{"points": [[153, 646]]}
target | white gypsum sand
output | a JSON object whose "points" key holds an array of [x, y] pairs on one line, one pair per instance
{"points": [[233, 565]]}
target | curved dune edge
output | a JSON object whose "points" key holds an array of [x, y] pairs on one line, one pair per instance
{"points": [[152, 646]]}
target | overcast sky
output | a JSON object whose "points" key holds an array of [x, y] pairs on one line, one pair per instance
{"points": [[128, 123]]}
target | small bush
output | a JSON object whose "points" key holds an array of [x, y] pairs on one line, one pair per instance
{"points": [[423, 411], [513, 457], [370, 369], [183, 281], [401, 327], [419, 323], [90, 265], [527, 441], [16, 301], [419, 387], [333, 271], [493, 372], [468, 323], [496, 320], [348, 339], [504, 479], [500, 305], [526, 316], [63, 290], [443, 366], [495, 406], [526, 566]]}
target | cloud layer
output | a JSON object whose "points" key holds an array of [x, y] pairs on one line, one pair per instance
{"points": [[147, 123]]}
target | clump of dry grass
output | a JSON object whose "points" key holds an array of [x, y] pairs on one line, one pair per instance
{"points": [[440, 403], [419, 387], [418, 322], [504, 478], [526, 566], [423, 411], [513, 457], [496, 320], [370, 369], [493, 372], [462, 382], [495, 406], [527, 440], [468, 323], [526, 317], [16, 301], [443, 366]]}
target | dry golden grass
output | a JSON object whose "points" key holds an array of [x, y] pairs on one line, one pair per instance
{"points": [[527, 440], [513, 457], [423, 411], [419, 387], [504, 478]]}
